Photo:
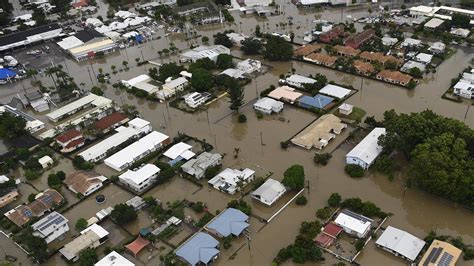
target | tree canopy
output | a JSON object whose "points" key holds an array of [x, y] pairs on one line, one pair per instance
{"points": [[88, 257], [11, 126], [224, 61], [294, 177], [123, 214], [251, 46], [236, 95], [202, 79], [277, 49], [169, 70], [222, 39]]}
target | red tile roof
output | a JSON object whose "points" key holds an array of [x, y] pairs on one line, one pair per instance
{"points": [[68, 135], [308, 49], [332, 230], [323, 240], [74, 143], [110, 120], [356, 40]]}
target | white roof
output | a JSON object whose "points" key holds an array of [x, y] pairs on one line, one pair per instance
{"points": [[3, 179], [137, 79], [468, 76], [114, 259], [386, 40], [138, 123], [421, 9], [122, 135], [141, 174], [267, 103], [232, 176], [269, 190], [359, 226], [97, 229], [180, 149], [54, 115], [313, 2], [368, 149], [176, 83], [45, 159], [438, 46], [335, 91], [186, 74], [94, 22], [135, 150], [423, 57], [346, 107], [461, 32], [300, 79], [233, 73], [434, 23], [70, 42], [411, 42], [401, 242]]}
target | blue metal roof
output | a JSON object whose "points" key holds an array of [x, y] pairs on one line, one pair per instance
{"points": [[230, 221], [6, 73], [201, 248], [318, 101]]}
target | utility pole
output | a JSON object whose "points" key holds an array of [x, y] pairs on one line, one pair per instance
{"points": [[467, 111], [256, 89], [89, 71]]}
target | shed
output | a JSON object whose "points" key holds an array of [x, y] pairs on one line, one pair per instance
{"points": [[45, 161], [345, 109]]}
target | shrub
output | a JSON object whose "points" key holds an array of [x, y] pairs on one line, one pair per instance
{"points": [[81, 224], [31, 197], [354, 170], [240, 205], [227, 242], [284, 144], [212, 171], [242, 118], [301, 200], [322, 158], [259, 115], [323, 213], [359, 244]]}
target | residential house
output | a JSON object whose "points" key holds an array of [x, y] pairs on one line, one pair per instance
{"points": [[196, 99], [84, 182], [328, 235], [365, 153], [230, 222], [355, 41], [319, 101], [389, 41], [230, 180], [335, 32], [298, 81], [43, 202], [233, 73], [45, 161], [353, 223], [335, 91], [249, 66], [141, 178], [51, 227], [464, 88], [33, 125], [136, 128], [321, 59], [307, 50], [114, 259], [197, 166], [211, 52], [8, 195], [136, 202], [345, 109], [179, 152], [440, 253], [171, 87], [437, 48], [200, 249], [412, 64], [137, 150], [110, 122], [269, 192], [286, 94], [394, 77], [463, 33], [424, 58], [268, 106], [347, 51], [320, 132], [237, 38], [70, 140], [411, 43], [91, 237], [400, 243], [142, 82], [363, 68], [373, 57], [433, 24]]}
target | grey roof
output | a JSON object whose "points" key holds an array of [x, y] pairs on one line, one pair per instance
{"points": [[230, 221], [201, 248], [401, 242]]}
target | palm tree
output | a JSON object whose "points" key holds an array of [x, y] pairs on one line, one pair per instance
{"points": [[137, 60], [50, 71], [125, 64], [31, 72], [113, 67], [236, 152], [160, 53]]}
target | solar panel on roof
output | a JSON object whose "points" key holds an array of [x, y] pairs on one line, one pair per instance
{"points": [[446, 259], [436, 253]]}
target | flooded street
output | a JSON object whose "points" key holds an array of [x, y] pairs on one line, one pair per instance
{"points": [[259, 142]]}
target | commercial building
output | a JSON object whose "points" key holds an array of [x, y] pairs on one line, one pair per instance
{"points": [[249, 66], [70, 140], [335, 91], [84, 182], [400, 243], [141, 82], [197, 167], [87, 44], [269, 192], [141, 178], [136, 128], [440, 253], [442, 12], [30, 36], [171, 87], [353, 223], [433, 24], [196, 99], [394, 77], [228, 180], [51, 227], [179, 152], [114, 259], [43, 202], [365, 153], [91, 237], [230, 222], [33, 125], [357, 40], [298, 81], [319, 133], [268, 106], [202, 12], [200, 52], [137, 150], [199, 249], [75, 106]]}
